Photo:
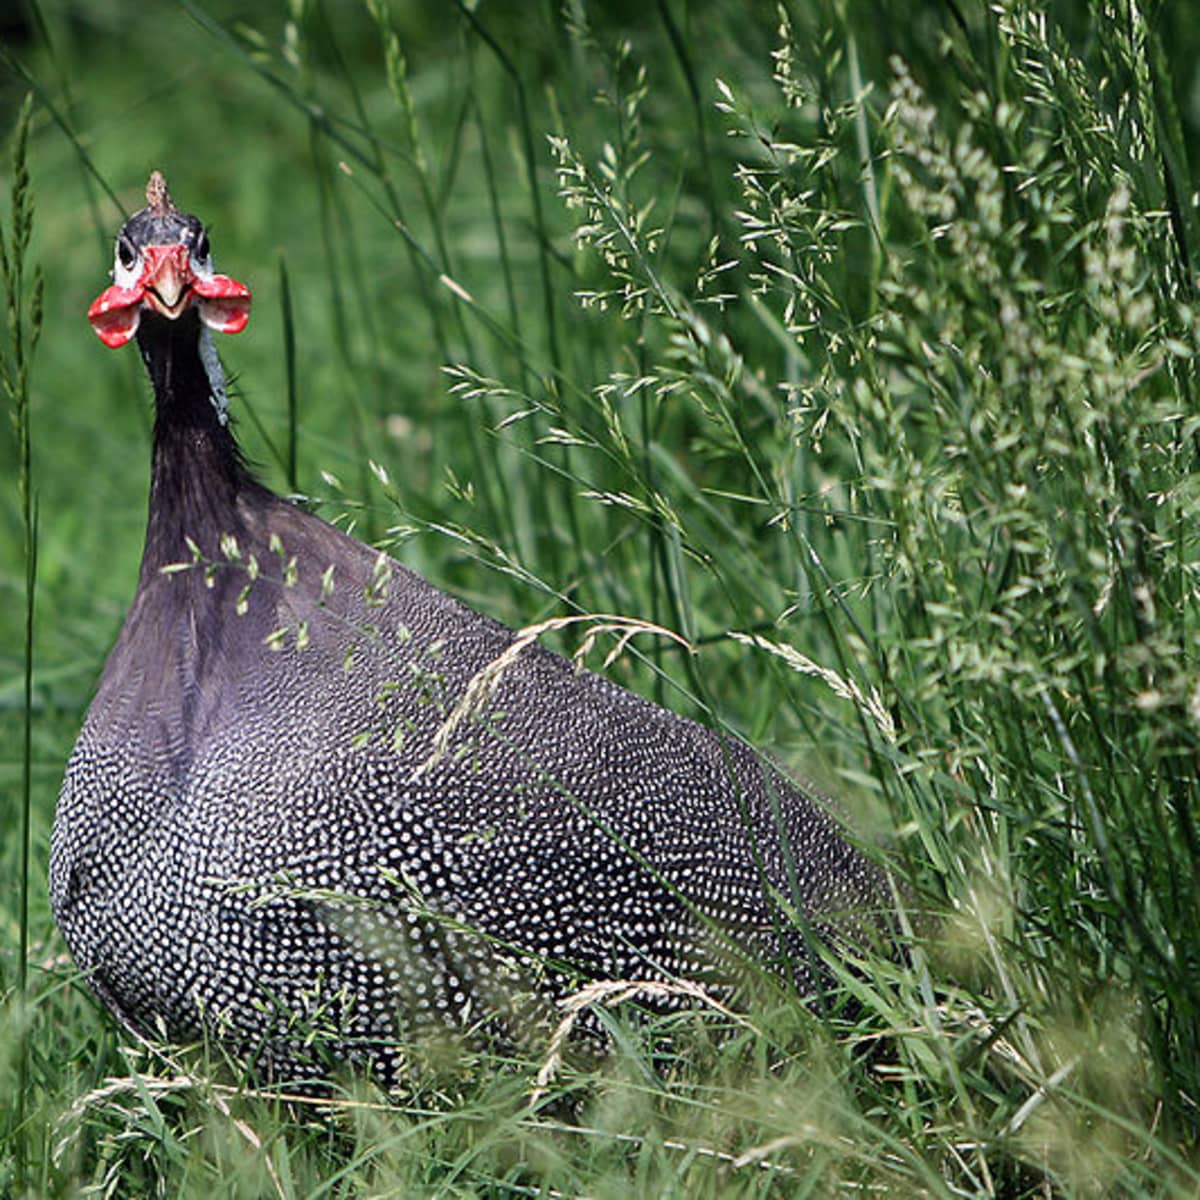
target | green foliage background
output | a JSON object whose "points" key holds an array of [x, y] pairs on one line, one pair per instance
{"points": [[854, 342]]}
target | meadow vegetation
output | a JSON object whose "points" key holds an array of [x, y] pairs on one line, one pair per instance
{"points": [[856, 345]]}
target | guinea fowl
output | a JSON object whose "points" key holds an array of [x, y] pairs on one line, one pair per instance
{"points": [[280, 815]]}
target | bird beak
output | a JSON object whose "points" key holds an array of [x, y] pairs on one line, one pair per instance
{"points": [[168, 285], [166, 277]]}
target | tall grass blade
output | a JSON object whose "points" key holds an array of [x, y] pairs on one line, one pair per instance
{"points": [[289, 362], [23, 293], [525, 124]]}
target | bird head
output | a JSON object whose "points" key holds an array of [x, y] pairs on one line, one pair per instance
{"points": [[163, 265]]}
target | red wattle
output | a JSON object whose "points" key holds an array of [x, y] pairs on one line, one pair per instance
{"points": [[115, 315], [224, 303]]}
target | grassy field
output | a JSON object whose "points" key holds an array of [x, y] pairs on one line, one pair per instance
{"points": [[855, 343]]}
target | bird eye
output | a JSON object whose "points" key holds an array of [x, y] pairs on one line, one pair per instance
{"points": [[126, 254], [200, 249]]}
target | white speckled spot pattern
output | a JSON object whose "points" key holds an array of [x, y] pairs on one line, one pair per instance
{"points": [[253, 842]]}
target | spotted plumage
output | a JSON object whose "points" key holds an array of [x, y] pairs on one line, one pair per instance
{"points": [[279, 817]]}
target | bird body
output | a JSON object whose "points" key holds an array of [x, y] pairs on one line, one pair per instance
{"points": [[295, 805]]}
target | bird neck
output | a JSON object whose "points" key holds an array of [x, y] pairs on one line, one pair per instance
{"points": [[198, 473]]}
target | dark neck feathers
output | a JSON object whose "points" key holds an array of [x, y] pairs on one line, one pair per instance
{"points": [[199, 481]]}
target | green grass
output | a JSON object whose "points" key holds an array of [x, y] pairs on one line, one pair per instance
{"points": [[858, 349]]}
